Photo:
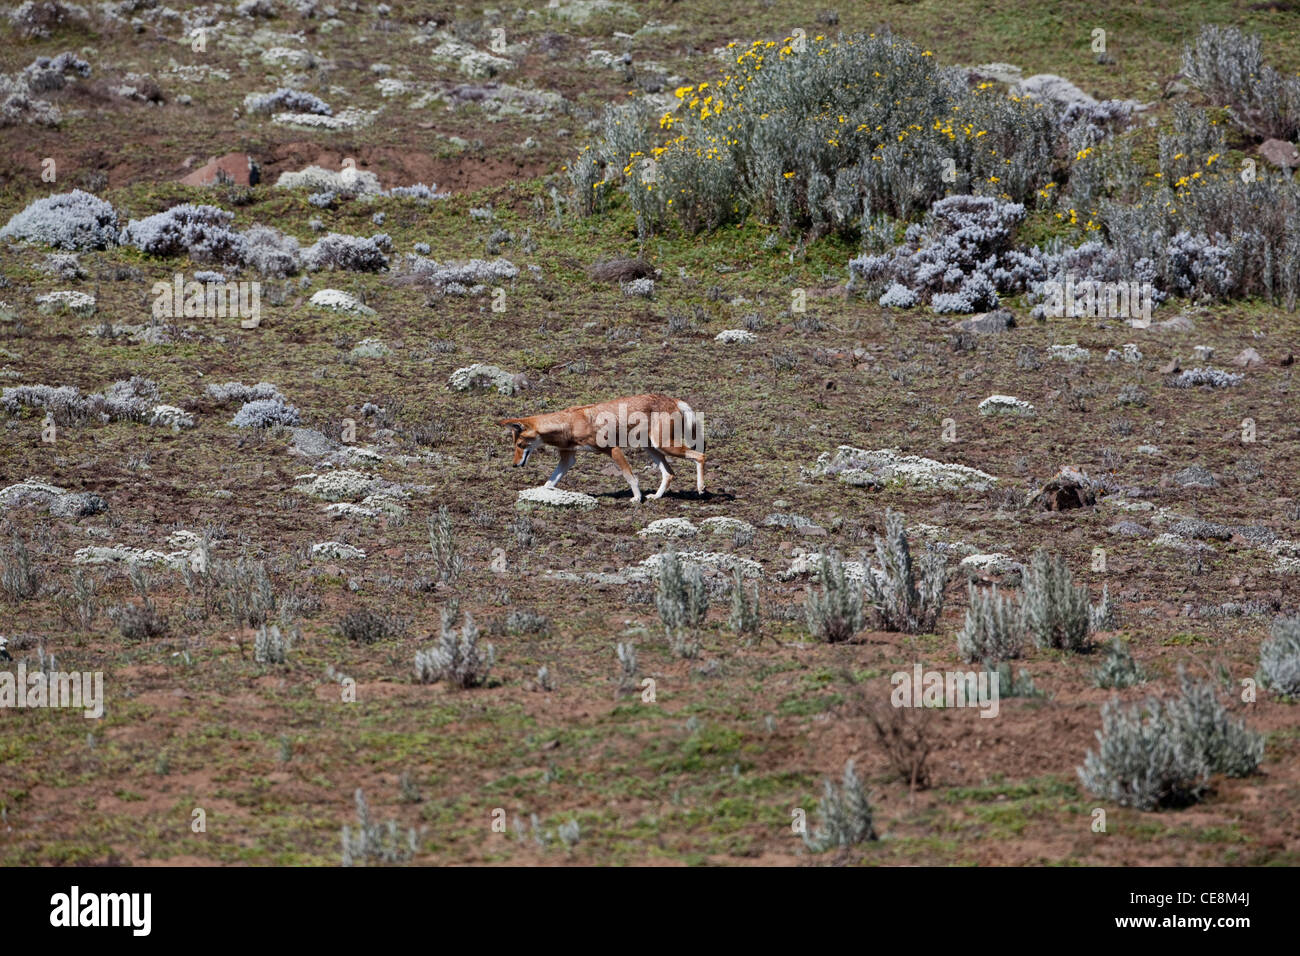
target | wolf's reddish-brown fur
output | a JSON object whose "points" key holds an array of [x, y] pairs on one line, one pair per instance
{"points": [[659, 424]]}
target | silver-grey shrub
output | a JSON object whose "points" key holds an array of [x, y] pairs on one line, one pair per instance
{"points": [[266, 413], [833, 610], [954, 259], [745, 618], [1118, 669], [1162, 752], [457, 657], [1056, 611], [1279, 657], [1229, 746], [371, 842], [47, 73], [682, 600], [73, 220], [1140, 760], [287, 100], [994, 629], [227, 392], [447, 561], [270, 646], [902, 596], [348, 253], [820, 138], [271, 252], [1227, 66], [201, 232], [846, 815], [38, 19]]}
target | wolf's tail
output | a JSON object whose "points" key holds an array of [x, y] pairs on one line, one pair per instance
{"points": [[692, 428]]}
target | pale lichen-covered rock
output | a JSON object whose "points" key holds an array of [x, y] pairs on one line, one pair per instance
{"points": [[344, 509], [78, 303], [806, 563], [556, 498], [1287, 554], [669, 528], [1068, 353], [580, 11], [341, 485], [169, 416], [59, 502], [122, 554], [1006, 405], [337, 551], [1130, 354], [318, 179], [708, 560], [371, 348], [482, 376], [994, 562], [348, 119], [339, 301], [860, 467], [468, 60], [736, 337], [727, 526]]}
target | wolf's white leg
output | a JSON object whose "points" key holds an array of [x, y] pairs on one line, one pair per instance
{"points": [[620, 460], [566, 462], [699, 477], [665, 472]]}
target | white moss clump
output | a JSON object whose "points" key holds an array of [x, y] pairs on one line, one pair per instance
{"points": [[994, 562], [1068, 353], [727, 526], [348, 119], [1287, 554], [669, 528], [78, 303], [121, 554], [715, 560], [169, 416], [580, 11], [339, 301], [28, 489], [357, 182], [336, 550], [1006, 405], [468, 60], [736, 337], [806, 563], [556, 498], [339, 485], [482, 376], [856, 466], [344, 509], [371, 348], [286, 58], [1130, 354]]}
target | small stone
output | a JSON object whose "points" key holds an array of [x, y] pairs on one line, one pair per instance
{"points": [[1248, 358], [1280, 153], [999, 320], [236, 168]]}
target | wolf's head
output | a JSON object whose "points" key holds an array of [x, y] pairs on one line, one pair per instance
{"points": [[525, 438]]}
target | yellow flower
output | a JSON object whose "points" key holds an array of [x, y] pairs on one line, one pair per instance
{"points": [[788, 175]]}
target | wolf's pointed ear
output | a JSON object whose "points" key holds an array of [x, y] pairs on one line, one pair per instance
{"points": [[513, 424]]}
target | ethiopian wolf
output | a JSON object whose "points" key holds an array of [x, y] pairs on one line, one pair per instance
{"points": [[661, 425]]}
